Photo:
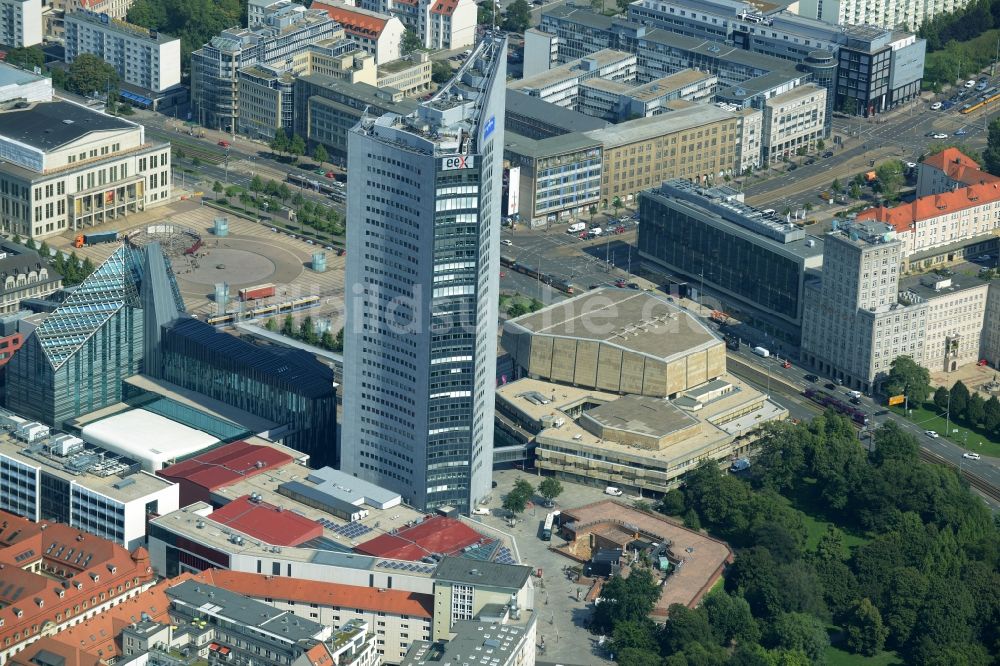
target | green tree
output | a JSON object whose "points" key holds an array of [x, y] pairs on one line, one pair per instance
{"points": [[218, 189], [485, 12], [866, 633], [890, 178], [90, 74], [298, 200], [941, 398], [284, 192], [246, 200], [257, 184], [307, 331], [959, 398], [616, 203], [517, 499], [798, 631], [320, 154], [622, 6], [270, 325], [441, 72], [280, 143], [908, 378], [820, 144], [297, 146], [991, 156], [195, 23], [44, 250], [411, 42], [731, 618], [975, 410], [27, 57], [338, 340], [518, 17], [991, 414], [836, 186], [672, 503], [625, 600], [550, 488], [288, 326], [855, 190]]}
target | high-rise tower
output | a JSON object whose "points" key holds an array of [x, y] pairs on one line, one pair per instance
{"points": [[422, 285]]}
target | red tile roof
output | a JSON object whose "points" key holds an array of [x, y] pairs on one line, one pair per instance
{"points": [[355, 22], [300, 590], [79, 567], [72, 656], [905, 216], [960, 167], [438, 534], [220, 467], [446, 7], [267, 522]]}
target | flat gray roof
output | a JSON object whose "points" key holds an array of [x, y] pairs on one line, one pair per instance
{"points": [[15, 76], [643, 415], [522, 104], [633, 320], [644, 129], [542, 148], [50, 125], [487, 574], [915, 284]]}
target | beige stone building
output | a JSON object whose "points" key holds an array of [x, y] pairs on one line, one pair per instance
{"points": [[616, 340], [956, 306], [794, 120], [410, 75]]}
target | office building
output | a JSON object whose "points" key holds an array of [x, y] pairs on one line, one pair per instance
{"points": [[327, 108], [24, 274], [940, 228], [991, 327], [532, 118], [499, 638], [143, 58], [465, 590], [409, 75], [286, 30], [425, 193], [381, 35], [75, 361], [617, 102], [955, 321], [794, 121], [67, 167], [891, 14], [287, 386], [752, 261], [20, 23], [855, 325], [561, 85], [78, 574], [17, 84], [440, 24], [56, 477], [699, 143]]}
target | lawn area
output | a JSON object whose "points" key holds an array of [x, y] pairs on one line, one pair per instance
{"points": [[816, 528], [964, 437], [838, 657]]}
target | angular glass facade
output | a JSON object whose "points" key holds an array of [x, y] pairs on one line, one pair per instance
{"points": [[287, 386], [74, 363]]}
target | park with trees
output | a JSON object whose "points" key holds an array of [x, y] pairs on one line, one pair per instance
{"points": [[843, 554]]}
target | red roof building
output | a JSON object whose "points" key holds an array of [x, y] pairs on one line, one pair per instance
{"points": [[956, 167], [52, 574], [441, 535], [199, 476], [267, 522]]}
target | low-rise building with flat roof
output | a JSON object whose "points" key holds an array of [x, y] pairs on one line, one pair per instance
{"points": [[410, 75], [464, 589], [20, 84], [617, 101], [616, 340], [505, 641], [752, 261], [57, 477], [561, 85]]}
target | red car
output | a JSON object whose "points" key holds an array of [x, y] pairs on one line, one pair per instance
{"points": [[330, 174], [620, 284], [224, 144], [584, 235]]}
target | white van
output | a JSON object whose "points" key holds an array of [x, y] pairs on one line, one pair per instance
{"points": [[970, 83], [481, 511], [854, 394], [613, 491], [576, 228], [768, 211], [761, 351], [596, 231], [935, 106]]}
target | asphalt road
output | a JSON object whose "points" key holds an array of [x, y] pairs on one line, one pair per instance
{"points": [[987, 469]]}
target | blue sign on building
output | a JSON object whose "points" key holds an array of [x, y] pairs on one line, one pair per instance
{"points": [[490, 126]]}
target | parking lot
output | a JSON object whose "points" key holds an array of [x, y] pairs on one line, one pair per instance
{"points": [[561, 616]]}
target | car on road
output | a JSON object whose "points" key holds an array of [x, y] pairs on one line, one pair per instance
{"points": [[633, 285], [613, 491], [811, 378], [931, 434], [947, 105], [970, 83], [507, 242], [827, 154], [830, 386], [911, 165], [881, 412], [939, 135], [224, 143], [481, 511], [936, 106], [620, 283], [793, 166], [969, 455], [961, 131]]}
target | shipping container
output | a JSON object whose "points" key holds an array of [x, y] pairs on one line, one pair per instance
{"points": [[256, 293]]}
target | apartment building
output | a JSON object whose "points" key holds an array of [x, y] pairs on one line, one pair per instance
{"points": [[379, 34], [440, 24], [286, 30], [793, 121], [750, 261], [892, 14], [950, 170], [23, 274], [699, 143], [941, 228], [425, 191], [58, 478], [67, 167], [855, 324], [505, 639], [21, 23], [144, 58], [561, 85]]}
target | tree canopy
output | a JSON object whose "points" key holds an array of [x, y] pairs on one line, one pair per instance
{"points": [[518, 18], [90, 74], [196, 22], [907, 377]]}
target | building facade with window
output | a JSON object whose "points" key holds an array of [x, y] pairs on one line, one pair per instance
{"points": [[424, 193], [67, 167], [20, 23]]}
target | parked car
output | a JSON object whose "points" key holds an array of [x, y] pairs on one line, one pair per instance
{"points": [[481, 511], [811, 378], [970, 84], [827, 154], [936, 106], [224, 143], [961, 131], [613, 491], [507, 242], [969, 455], [940, 135]]}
